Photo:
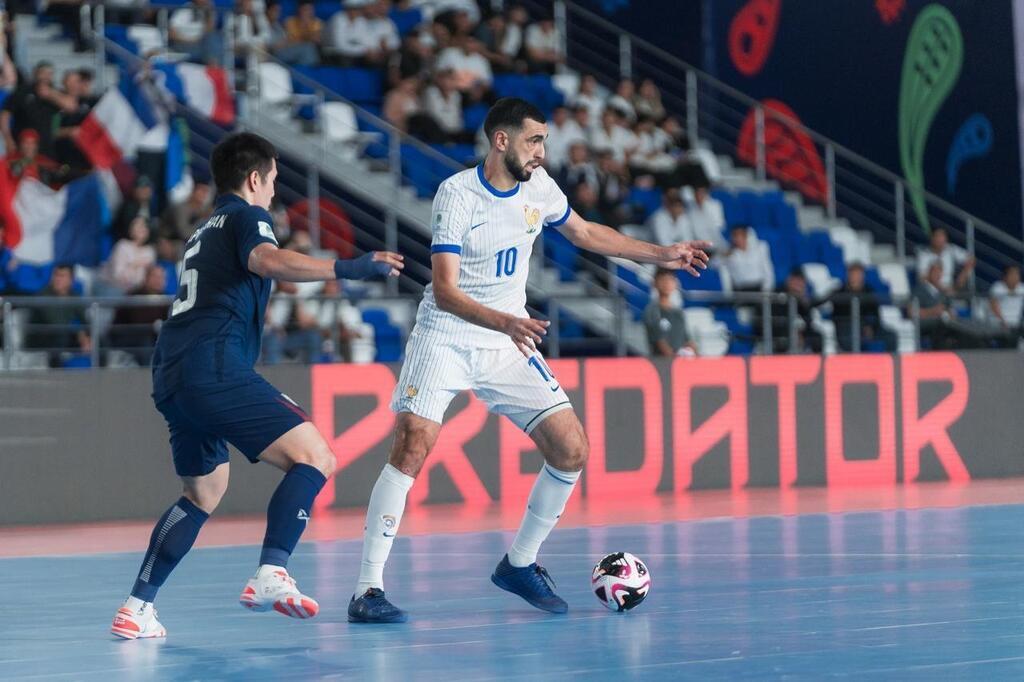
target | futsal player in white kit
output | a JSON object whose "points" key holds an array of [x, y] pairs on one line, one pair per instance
{"points": [[472, 332]]}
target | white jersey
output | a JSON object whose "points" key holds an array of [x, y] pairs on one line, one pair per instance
{"points": [[493, 233]]}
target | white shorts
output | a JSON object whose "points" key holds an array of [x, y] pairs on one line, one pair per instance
{"points": [[523, 389]]}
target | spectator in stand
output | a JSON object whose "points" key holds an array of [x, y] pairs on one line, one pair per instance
{"points": [[749, 266], [193, 30], [126, 11], [808, 339], [351, 41], [78, 87], [125, 270], [412, 60], [442, 102], [589, 96], [511, 45], [613, 189], [543, 47], [581, 115], [137, 205], [168, 257], [293, 329], [871, 328], [27, 162], [613, 137], [473, 76], [336, 316], [33, 105], [647, 101], [670, 223], [182, 219], [954, 260], [578, 170], [1006, 300], [691, 169], [8, 72], [135, 328], [563, 132], [653, 153], [939, 322], [708, 218], [59, 329], [458, 22], [586, 203], [622, 101], [665, 321], [252, 30], [383, 34], [299, 40], [282, 223], [492, 34], [403, 102]]}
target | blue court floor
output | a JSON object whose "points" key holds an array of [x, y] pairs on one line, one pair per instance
{"points": [[901, 595]]}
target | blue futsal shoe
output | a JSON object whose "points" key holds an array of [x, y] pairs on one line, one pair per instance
{"points": [[372, 607], [532, 583]]}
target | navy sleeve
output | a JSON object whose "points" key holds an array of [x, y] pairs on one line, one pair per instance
{"points": [[253, 227]]}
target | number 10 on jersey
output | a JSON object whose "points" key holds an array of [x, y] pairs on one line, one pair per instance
{"points": [[506, 262]]}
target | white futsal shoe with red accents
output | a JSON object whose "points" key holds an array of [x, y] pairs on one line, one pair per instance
{"points": [[137, 623], [273, 588]]}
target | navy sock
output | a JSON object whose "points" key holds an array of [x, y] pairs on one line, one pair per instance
{"points": [[172, 537], [288, 513]]}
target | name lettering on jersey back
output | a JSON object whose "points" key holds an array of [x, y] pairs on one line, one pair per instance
{"points": [[215, 221]]}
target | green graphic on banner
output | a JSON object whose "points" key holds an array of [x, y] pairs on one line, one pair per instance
{"points": [[931, 67]]}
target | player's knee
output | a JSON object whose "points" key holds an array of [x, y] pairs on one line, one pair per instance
{"points": [[206, 495], [320, 458], [575, 453], [409, 460]]}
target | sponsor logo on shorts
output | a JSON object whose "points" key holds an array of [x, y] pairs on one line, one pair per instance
{"points": [[303, 516], [389, 522]]}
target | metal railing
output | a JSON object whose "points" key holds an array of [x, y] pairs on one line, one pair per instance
{"points": [[842, 182], [96, 317]]}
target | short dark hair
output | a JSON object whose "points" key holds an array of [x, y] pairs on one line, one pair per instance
{"points": [[739, 226], [1010, 266], [238, 155], [855, 265], [509, 113]]}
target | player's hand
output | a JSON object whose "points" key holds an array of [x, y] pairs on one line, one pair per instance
{"points": [[526, 333], [688, 256], [395, 260]]}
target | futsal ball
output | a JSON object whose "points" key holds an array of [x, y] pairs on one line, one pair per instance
{"points": [[621, 581]]}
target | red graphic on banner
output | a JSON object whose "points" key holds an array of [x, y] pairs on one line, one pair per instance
{"points": [[876, 370], [328, 383], [890, 10], [790, 154], [933, 428], [691, 442], [600, 376], [785, 373], [751, 35]]}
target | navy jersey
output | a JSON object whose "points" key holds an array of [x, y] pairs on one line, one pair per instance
{"points": [[215, 325]]}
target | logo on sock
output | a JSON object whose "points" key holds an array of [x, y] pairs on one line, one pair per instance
{"points": [[389, 522], [303, 516]]}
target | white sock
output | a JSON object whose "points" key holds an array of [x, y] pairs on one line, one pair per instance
{"points": [[268, 568], [136, 604], [547, 501], [384, 513]]}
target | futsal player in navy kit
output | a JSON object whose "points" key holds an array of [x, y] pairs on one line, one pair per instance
{"points": [[206, 388]]}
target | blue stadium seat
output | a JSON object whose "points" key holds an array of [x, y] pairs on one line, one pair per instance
{"points": [[464, 154], [536, 88], [873, 280], [379, 148], [423, 172], [562, 252], [362, 86], [473, 116], [644, 201], [781, 251], [386, 336], [783, 217], [405, 20], [709, 280], [730, 207], [636, 292]]}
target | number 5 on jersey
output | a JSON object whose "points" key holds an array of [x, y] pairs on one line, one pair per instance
{"points": [[505, 262], [189, 281]]}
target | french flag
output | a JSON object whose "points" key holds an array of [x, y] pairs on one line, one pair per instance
{"points": [[112, 130], [65, 225], [202, 88]]}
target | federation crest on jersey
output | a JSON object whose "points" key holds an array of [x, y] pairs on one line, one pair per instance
{"points": [[532, 216]]}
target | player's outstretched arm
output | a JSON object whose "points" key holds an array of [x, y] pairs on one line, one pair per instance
{"points": [[526, 333], [689, 256], [266, 260]]}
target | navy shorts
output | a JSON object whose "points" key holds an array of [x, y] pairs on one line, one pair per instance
{"points": [[249, 413]]}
